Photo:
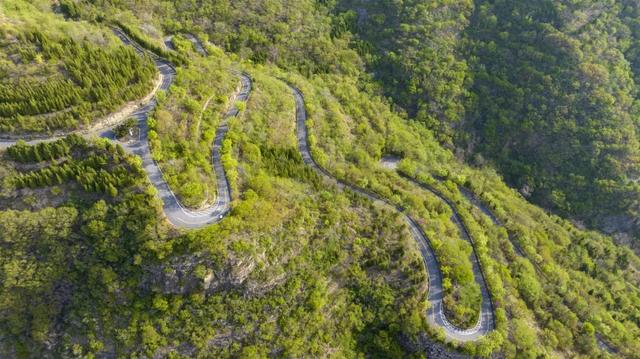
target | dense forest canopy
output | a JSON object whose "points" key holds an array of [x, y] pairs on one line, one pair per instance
{"points": [[73, 82], [546, 90], [541, 94], [560, 117]]}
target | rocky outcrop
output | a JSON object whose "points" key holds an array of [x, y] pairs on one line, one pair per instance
{"points": [[187, 274]]}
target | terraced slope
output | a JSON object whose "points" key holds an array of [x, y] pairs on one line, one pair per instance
{"points": [[435, 313]]}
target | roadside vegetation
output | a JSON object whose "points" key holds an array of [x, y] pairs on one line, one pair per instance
{"points": [[286, 259], [298, 268], [52, 82], [546, 91], [183, 125]]}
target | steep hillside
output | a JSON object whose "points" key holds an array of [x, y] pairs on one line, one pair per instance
{"points": [[415, 50], [545, 90], [58, 78], [556, 106], [352, 231]]}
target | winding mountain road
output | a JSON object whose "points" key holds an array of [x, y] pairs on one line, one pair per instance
{"points": [[435, 313], [487, 303], [602, 343], [185, 218], [197, 44], [168, 43], [177, 214]]}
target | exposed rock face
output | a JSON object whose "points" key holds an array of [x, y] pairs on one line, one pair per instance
{"points": [[191, 273], [256, 288], [618, 224], [624, 229], [233, 275], [432, 349], [178, 276]]}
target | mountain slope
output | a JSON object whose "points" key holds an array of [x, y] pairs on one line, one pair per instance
{"points": [[544, 90], [298, 267]]}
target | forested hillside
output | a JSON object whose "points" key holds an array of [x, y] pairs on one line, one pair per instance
{"points": [[415, 49], [54, 81], [428, 106], [183, 126], [557, 105], [76, 223], [545, 90]]}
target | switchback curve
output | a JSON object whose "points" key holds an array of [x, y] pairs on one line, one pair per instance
{"points": [[173, 210], [471, 197], [435, 314], [177, 214], [487, 302]]}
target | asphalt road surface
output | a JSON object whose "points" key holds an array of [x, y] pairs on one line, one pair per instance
{"points": [[435, 313], [178, 215], [185, 218]]}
